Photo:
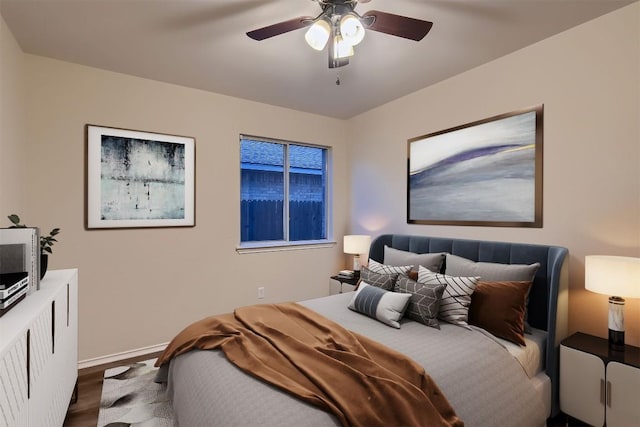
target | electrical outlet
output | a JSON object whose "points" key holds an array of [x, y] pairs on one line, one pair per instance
{"points": [[261, 292]]}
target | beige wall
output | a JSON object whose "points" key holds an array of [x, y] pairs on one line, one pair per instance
{"points": [[12, 137], [588, 79], [139, 287]]}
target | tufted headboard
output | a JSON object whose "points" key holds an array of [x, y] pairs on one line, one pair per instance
{"points": [[548, 297]]}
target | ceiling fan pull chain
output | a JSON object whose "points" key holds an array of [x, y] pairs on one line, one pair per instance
{"points": [[337, 79]]}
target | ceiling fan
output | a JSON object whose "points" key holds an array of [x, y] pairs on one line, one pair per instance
{"points": [[345, 28]]}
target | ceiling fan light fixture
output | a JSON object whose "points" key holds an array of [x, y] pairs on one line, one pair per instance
{"points": [[351, 29], [318, 34], [341, 28]]}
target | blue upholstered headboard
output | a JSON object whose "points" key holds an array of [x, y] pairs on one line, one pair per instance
{"points": [[548, 296]]}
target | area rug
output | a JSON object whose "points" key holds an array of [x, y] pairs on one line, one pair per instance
{"points": [[130, 397]]}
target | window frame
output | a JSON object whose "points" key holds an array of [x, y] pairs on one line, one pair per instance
{"points": [[286, 244]]}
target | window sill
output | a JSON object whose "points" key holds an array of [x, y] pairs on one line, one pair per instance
{"points": [[256, 247]]}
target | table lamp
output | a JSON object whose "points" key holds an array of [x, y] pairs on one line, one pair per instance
{"points": [[618, 277], [356, 245]]}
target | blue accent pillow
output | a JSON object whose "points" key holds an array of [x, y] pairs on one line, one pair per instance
{"points": [[387, 307]]}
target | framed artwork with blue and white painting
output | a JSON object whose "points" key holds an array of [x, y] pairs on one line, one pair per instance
{"points": [[139, 179], [485, 173]]}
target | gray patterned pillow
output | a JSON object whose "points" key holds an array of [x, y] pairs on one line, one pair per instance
{"points": [[387, 307], [384, 281], [424, 304], [376, 267], [456, 299]]}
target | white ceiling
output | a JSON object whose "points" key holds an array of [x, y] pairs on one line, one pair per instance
{"points": [[202, 44]]}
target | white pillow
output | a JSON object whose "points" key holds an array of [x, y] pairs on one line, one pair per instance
{"points": [[385, 306], [456, 299]]}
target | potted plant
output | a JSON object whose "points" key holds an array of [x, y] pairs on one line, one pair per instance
{"points": [[46, 242]]}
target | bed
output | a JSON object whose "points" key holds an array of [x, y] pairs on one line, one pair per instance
{"points": [[489, 381]]}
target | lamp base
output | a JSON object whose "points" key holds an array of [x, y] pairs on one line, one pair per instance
{"points": [[356, 263], [616, 323], [616, 340]]}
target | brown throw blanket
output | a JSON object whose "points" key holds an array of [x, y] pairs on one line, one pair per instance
{"points": [[360, 381]]}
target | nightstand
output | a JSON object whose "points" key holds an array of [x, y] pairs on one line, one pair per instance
{"points": [[353, 281], [598, 384]]}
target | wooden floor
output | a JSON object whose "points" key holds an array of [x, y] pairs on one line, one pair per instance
{"points": [[84, 412]]}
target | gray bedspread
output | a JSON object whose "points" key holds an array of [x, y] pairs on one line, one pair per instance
{"points": [[483, 382]]}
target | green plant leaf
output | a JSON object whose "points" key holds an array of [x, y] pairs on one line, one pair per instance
{"points": [[45, 241]]}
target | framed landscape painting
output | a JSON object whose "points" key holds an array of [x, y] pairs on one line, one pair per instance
{"points": [[486, 173], [139, 179]]}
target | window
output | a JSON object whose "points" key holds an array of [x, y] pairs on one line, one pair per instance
{"points": [[283, 188]]}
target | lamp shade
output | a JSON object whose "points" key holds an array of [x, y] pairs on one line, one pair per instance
{"points": [[612, 275], [341, 48], [318, 34], [351, 29], [356, 244]]}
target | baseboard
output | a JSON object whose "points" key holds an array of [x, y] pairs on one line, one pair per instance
{"points": [[88, 363]]}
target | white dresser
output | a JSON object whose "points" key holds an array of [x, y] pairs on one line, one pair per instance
{"points": [[39, 354]]}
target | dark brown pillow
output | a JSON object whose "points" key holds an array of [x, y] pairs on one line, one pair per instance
{"points": [[499, 308]]}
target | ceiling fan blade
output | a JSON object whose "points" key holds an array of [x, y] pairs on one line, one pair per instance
{"points": [[280, 28], [396, 25]]}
